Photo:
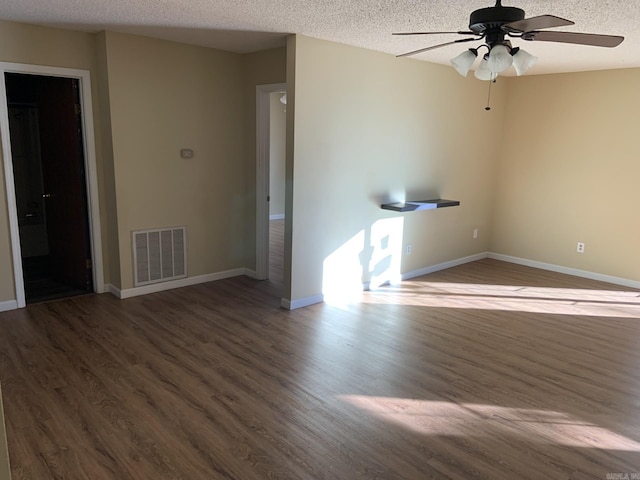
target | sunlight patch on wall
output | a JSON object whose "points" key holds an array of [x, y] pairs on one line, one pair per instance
{"points": [[488, 421], [558, 301], [342, 272], [386, 252], [372, 256]]}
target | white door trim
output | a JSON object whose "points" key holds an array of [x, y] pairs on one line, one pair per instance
{"points": [[90, 169], [262, 176]]}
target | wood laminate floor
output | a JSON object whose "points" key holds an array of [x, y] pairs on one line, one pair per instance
{"points": [[5, 473], [484, 371], [276, 254]]}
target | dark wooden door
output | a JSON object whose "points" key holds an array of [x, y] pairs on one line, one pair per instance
{"points": [[63, 171], [64, 183]]}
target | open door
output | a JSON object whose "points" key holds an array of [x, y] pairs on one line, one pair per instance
{"points": [[47, 152], [263, 174]]}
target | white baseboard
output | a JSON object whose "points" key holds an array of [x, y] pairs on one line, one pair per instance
{"points": [[112, 289], [305, 302], [301, 302], [251, 274], [566, 270], [396, 280], [183, 282], [9, 305], [277, 216], [444, 265]]}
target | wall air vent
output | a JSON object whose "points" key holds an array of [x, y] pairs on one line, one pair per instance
{"points": [[159, 255]]}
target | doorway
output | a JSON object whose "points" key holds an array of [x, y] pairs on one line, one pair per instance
{"points": [[270, 142], [50, 176], [48, 166], [277, 162]]}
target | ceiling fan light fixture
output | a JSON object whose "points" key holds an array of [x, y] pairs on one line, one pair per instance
{"points": [[463, 62], [499, 58], [522, 61], [494, 26], [483, 72]]}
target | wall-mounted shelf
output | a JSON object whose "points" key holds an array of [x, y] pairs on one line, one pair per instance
{"points": [[414, 205]]}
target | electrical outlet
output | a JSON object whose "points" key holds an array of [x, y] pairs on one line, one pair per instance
{"points": [[408, 249], [475, 233], [580, 247]]}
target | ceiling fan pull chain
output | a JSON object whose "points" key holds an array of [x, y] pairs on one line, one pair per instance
{"points": [[488, 107]]}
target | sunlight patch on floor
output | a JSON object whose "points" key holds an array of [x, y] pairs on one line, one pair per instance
{"points": [[487, 421], [561, 301]]}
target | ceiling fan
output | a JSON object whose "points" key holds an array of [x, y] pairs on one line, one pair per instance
{"points": [[493, 24]]}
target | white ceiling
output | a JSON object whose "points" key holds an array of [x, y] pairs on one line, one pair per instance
{"points": [[248, 25]]}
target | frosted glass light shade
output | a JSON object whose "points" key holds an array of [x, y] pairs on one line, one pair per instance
{"points": [[483, 72], [462, 63], [499, 59], [523, 61]]}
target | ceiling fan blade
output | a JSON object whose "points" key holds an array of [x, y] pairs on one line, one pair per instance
{"points": [[573, 37], [536, 23], [433, 47], [434, 33]]}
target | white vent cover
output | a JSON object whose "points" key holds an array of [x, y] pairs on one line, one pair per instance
{"points": [[159, 255]]}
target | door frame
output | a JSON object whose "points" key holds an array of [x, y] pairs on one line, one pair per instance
{"points": [[262, 175], [91, 175]]}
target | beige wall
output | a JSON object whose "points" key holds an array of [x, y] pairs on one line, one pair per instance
{"points": [[259, 68], [166, 96], [277, 143], [21, 43], [7, 285], [569, 172], [151, 98], [290, 123], [104, 143], [363, 128], [370, 128]]}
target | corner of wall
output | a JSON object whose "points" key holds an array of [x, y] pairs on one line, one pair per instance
{"points": [[106, 165]]}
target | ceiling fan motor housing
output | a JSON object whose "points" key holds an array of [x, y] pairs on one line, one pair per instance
{"points": [[491, 18]]}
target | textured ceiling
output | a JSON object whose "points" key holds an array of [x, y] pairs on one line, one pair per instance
{"points": [[248, 25]]}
